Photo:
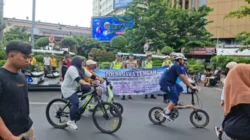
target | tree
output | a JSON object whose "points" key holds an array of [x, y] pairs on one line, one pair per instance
{"points": [[243, 11], [244, 37], [17, 33], [85, 44], [102, 55], [167, 50], [42, 42], [119, 43], [70, 43], [166, 26]]}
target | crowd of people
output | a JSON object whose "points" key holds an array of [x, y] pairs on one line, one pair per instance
{"points": [[15, 121]]}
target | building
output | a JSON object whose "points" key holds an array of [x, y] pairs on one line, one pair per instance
{"points": [[46, 29], [106, 8]]}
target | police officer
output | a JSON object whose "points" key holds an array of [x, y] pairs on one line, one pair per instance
{"points": [[117, 64], [148, 64]]}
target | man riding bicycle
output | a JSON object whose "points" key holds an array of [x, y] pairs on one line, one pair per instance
{"points": [[168, 84]]}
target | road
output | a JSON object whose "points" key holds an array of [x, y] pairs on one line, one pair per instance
{"points": [[136, 125]]}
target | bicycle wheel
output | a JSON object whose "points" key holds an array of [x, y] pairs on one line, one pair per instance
{"points": [[104, 110], [118, 106], [199, 115], [156, 117], [59, 113]]}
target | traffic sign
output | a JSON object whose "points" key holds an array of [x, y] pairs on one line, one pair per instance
{"points": [[51, 38]]}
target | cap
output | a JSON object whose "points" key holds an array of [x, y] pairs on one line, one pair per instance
{"points": [[138, 57], [149, 55], [230, 65], [90, 62], [118, 55], [131, 54]]}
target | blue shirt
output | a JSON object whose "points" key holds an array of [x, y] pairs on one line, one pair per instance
{"points": [[183, 69], [170, 75]]}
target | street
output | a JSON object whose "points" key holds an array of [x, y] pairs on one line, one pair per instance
{"points": [[136, 124]]}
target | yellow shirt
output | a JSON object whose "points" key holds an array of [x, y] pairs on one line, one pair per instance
{"points": [[53, 62], [89, 79], [33, 61]]}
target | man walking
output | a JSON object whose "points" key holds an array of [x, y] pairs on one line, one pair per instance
{"points": [[14, 102], [148, 64]]}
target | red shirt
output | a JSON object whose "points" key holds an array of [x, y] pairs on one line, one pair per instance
{"points": [[66, 62]]}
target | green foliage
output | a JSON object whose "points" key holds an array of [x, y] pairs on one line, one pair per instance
{"points": [[243, 11], [119, 43], [195, 65], [42, 42], [85, 44], [2, 62], [102, 55], [39, 58], [166, 26], [167, 50], [2, 55], [17, 33], [105, 65], [221, 61], [157, 62], [244, 37], [71, 43]]}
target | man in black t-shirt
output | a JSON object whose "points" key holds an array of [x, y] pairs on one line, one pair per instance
{"points": [[14, 102]]}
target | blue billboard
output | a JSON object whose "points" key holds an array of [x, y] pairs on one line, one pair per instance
{"points": [[121, 3], [107, 27]]}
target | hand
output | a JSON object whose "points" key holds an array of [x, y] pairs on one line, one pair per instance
{"points": [[101, 79], [61, 78], [86, 83], [222, 103], [194, 88]]}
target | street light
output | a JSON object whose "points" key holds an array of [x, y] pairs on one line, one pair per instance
{"points": [[33, 23]]}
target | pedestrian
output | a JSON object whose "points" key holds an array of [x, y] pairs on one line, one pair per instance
{"points": [[129, 64], [65, 63], [15, 121], [229, 66], [46, 64], [53, 62], [148, 64], [237, 103]]}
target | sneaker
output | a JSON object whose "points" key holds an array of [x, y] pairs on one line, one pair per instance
{"points": [[123, 97], [218, 132], [146, 97], [152, 97], [72, 125], [167, 116]]}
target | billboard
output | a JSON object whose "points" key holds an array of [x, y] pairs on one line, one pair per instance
{"points": [[107, 27], [121, 3]]}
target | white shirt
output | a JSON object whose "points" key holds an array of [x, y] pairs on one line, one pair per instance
{"points": [[46, 61]]}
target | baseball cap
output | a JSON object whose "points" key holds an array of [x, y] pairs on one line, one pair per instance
{"points": [[90, 62], [149, 55]]}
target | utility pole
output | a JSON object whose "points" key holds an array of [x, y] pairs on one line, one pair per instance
{"points": [[33, 23], [1, 23]]}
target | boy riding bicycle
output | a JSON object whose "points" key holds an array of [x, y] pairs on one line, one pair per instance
{"points": [[168, 84]]}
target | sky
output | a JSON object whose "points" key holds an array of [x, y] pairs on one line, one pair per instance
{"points": [[69, 12]]}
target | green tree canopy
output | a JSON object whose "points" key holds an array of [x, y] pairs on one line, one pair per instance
{"points": [[167, 50], [17, 33], [119, 43], [42, 42], [71, 43], [166, 26], [243, 11]]}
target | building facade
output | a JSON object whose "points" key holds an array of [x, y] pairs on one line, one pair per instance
{"points": [[105, 8], [45, 29]]}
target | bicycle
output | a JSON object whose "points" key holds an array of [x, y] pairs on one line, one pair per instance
{"points": [[195, 114], [104, 107], [109, 90]]}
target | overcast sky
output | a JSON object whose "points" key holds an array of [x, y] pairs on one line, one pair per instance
{"points": [[70, 12]]}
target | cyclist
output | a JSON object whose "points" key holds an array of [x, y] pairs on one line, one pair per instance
{"points": [[70, 86], [168, 84]]}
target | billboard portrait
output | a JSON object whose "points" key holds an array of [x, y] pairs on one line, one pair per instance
{"points": [[107, 27], [121, 3]]}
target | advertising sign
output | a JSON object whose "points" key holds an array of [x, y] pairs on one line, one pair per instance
{"points": [[121, 3], [203, 51], [105, 28]]}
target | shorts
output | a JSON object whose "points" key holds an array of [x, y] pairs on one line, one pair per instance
{"points": [[173, 92]]}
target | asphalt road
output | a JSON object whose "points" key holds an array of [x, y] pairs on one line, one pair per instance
{"points": [[136, 125]]}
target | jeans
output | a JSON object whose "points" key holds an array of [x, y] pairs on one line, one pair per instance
{"points": [[74, 100]]}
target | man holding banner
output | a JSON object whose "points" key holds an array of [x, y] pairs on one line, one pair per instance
{"points": [[168, 84], [129, 64], [148, 64]]}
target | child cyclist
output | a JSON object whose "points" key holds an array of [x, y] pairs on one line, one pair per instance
{"points": [[168, 84]]}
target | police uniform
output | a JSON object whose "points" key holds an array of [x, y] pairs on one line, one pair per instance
{"points": [[148, 65]]}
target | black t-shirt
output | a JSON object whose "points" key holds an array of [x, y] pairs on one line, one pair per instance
{"points": [[237, 122], [14, 102]]}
